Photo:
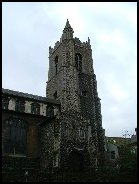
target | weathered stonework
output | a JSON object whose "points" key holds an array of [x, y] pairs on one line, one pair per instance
{"points": [[80, 105]]}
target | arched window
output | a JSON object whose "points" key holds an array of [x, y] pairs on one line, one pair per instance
{"points": [[50, 111], [15, 136], [35, 108], [5, 102], [78, 61], [68, 57], [56, 64], [20, 105]]}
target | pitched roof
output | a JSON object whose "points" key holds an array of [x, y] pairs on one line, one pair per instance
{"points": [[30, 96]]}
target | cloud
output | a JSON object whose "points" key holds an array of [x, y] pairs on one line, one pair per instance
{"points": [[28, 29]]}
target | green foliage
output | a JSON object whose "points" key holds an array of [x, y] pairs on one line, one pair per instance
{"points": [[127, 158]]}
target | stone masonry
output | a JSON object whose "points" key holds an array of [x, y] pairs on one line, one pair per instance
{"points": [[76, 137]]}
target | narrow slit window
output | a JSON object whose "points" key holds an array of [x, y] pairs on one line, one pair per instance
{"points": [[56, 64], [82, 132]]}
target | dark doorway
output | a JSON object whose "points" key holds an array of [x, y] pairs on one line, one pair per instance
{"points": [[76, 161]]}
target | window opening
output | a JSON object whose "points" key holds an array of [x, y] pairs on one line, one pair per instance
{"points": [[19, 105], [82, 132], [50, 111], [67, 130], [56, 64], [112, 154], [35, 108], [78, 61], [15, 137], [5, 102], [84, 93]]}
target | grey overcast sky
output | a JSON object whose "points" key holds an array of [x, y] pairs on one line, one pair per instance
{"points": [[29, 28]]}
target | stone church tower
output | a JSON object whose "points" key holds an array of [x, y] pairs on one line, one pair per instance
{"points": [[75, 139]]}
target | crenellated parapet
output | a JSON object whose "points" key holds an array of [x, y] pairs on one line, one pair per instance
{"points": [[77, 42], [51, 50], [85, 45]]}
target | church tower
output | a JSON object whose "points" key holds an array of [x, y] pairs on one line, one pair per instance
{"points": [[78, 143]]}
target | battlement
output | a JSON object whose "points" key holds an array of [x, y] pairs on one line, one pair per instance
{"points": [[51, 50], [76, 41], [82, 44]]}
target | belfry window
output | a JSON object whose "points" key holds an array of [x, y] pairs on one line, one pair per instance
{"points": [[56, 64], [19, 105], [5, 102], [78, 61], [15, 136], [35, 108]]}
